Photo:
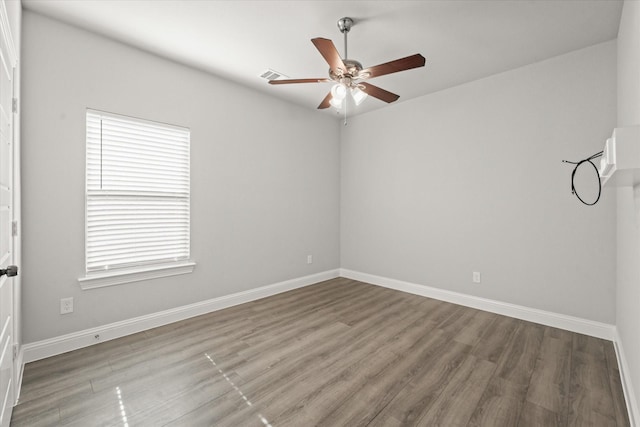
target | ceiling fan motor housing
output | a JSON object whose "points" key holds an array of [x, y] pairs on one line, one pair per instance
{"points": [[352, 72]]}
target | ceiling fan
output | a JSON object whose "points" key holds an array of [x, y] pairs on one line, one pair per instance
{"points": [[349, 76]]}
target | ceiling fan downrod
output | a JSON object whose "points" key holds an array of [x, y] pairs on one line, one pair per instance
{"points": [[344, 25]]}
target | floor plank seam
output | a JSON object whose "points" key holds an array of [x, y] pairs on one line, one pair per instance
{"points": [[569, 386]]}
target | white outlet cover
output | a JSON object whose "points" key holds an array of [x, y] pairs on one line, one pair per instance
{"points": [[66, 305]]}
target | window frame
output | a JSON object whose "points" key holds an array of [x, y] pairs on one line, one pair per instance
{"points": [[140, 270]]}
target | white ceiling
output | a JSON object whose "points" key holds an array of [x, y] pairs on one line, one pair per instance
{"points": [[461, 40]]}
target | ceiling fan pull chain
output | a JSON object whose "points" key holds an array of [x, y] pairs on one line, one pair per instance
{"points": [[345, 111]]}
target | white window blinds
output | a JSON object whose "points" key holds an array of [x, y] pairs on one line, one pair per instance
{"points": [[137, 192]]}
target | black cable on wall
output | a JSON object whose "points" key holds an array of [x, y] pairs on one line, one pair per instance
{"points": [[573, 174]]}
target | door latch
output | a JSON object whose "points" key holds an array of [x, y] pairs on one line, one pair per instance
{"points": [[10, 271]]}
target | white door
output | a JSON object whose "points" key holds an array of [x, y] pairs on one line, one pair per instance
{"points": [[7, 62]]}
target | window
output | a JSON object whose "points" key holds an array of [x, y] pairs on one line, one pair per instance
{"points": [[137, 200]]}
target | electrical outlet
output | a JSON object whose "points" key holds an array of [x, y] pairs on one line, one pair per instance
{"points": [[476, 277], [309, 259], [66, 305]]}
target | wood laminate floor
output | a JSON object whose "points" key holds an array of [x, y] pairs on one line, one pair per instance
{"points": [[339, 353]]}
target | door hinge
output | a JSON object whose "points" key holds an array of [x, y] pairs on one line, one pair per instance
{"points": [[15, 351], [14, 105], [14, 228]]}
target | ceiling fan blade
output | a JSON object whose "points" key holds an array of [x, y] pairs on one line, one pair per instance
{"points": [[379, 93], [289, 81], [325, 102], [329, 53], [413, 61]]}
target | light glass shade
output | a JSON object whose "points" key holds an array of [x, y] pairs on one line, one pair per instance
{"points": [[336, 103], [338, 92], [358, 95]]}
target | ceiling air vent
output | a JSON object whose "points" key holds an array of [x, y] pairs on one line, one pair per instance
{"points": [[269, 74]]}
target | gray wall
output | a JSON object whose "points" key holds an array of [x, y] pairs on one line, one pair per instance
{"points": [[471, 179], [264, 173], [628, 214], [427, 191]]}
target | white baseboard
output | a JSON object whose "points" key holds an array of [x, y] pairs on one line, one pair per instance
{"points": [[627, 384], [569, 323], [73, 341]]}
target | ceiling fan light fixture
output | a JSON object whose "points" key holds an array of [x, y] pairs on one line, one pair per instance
{"points": [[358, 95], [348, 74]]}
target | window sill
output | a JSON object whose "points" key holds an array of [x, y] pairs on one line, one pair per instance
{"points": [[112, 278]]}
